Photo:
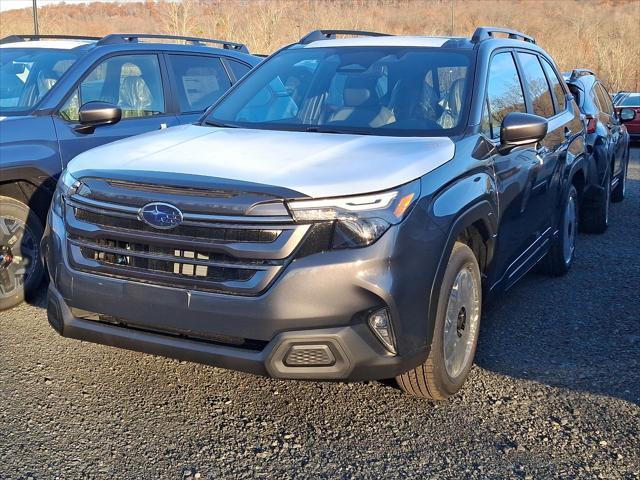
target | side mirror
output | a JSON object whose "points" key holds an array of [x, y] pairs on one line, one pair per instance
{"points": [[94, 114], [627, 114], [522, 129]]}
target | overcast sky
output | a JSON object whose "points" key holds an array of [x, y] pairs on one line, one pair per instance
{"points": [[13, 4]]}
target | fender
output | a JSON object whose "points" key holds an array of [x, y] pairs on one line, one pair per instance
{"points": [[465, 202], [29, 153], [30, 160]]}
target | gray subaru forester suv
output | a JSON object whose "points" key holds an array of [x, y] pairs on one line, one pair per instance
{"points": [[341, 213]]}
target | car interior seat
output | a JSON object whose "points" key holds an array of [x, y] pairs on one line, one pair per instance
{"points": [[136, 99], [361, 104], [452, 105]]}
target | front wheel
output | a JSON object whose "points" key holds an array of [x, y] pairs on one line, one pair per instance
{"points": [[455, 332], [560, 257], [21, 269]]}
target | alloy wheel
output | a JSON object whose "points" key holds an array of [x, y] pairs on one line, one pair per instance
{"points": [[461, 323], [18, 255]]}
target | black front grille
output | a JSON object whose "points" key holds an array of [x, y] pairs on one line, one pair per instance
{"points": [[235, 257]]}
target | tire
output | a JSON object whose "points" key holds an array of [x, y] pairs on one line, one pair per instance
{"points": [[457, 323], [560, 257], [595, 217], [21, 268], [618, 193]]}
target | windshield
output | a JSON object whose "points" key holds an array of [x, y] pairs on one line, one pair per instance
{"points": [[365, 90], [630, 100], [27, 74]]}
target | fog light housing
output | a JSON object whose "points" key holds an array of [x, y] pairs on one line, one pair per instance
{"points": [[380, 323]]}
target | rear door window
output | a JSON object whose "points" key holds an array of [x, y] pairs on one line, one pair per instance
{"points": [[239, 69], [536, 85], [605, 99], [595, 98], [556, 86], [200, 81], [504, 91]]}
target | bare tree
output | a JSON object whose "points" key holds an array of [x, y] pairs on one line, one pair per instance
{"points": [[179, 16]]}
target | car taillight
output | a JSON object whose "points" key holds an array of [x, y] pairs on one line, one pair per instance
{"points": [[591, 124]]}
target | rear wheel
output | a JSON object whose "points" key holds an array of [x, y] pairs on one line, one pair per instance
{"points": [[455, 333], [560, 257], [595, 217], [618, 193], [21, 269]]}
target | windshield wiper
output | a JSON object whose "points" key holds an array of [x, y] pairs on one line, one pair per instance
{"points": [[213, 123], [343, 132]]}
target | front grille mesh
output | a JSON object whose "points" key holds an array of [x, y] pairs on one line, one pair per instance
{"points": [[184, 263]]}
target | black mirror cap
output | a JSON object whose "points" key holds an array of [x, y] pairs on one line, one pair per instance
{"points": [[522, 129], [93, 114], [627, 114]]}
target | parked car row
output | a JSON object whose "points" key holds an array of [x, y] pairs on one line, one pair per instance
{"points": [[607, 147], [340, 213]]}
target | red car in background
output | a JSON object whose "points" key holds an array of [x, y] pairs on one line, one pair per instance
{"points": [[630, 100]]}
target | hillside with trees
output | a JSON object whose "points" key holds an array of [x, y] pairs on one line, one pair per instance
{"points": [[601, 34]]}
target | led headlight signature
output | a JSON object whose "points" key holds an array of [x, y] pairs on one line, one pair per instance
{"points": [[360, 220]]}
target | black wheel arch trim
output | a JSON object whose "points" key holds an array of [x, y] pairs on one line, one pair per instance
{"points": [[480, 211], [37, 196]]}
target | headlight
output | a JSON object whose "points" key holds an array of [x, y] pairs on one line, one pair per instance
{"points": [[359, 220], [67, 185]]}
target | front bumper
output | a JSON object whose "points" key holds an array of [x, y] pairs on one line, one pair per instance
{"points": [[319, 301], [355, 354]]}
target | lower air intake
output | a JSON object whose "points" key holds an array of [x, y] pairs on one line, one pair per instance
{"points": [[309, 356]]}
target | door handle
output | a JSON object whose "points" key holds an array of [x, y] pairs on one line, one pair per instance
{"points": [[567, 132]]}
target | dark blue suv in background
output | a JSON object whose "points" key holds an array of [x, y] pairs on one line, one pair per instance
{"points": [[607, 142], [62, 95]]}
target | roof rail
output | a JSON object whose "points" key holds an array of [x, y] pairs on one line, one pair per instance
{"points": [[580, 72], [134, 37], [485, 33], [26, 38], [331, 34]]}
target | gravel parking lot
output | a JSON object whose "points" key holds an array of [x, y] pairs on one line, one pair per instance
{"points": [[555, 393]]}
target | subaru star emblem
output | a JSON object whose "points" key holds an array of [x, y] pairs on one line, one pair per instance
{"points": [[160, 215]]}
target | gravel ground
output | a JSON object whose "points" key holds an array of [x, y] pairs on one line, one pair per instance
{"points": [[555, 393]]}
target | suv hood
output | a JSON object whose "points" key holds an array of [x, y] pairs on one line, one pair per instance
{"points": [[312, 164]]}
